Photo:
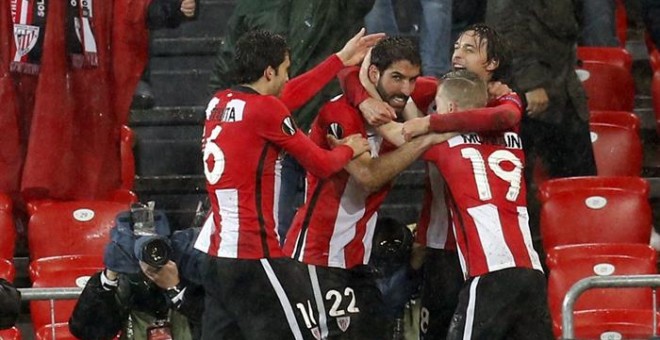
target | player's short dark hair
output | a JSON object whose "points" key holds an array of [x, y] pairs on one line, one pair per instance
{"points": [[254, 52], [497, 49], [393, 49], [465, 88]]}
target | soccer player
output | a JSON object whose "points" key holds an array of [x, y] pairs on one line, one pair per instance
{"points": [[481, 50], [504, 296], [334, 228], [251, 288]]}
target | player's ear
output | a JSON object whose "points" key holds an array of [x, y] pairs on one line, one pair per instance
{"points": [[451, 107], [374, 74], [492, 65], [269, 72]]}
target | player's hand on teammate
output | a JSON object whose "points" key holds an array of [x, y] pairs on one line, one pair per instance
{"points": [[188, 8], [497, 89], [415, 127], [355, 141], [356, 48], [537, 101], [376, 112]]}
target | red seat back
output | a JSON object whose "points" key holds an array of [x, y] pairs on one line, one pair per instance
{"points": [[614, 324], [569, 264], [616, 143], [609, 87], [72, 228], [61, 331], [617, 56], [595, 210], [73, 276], [7, 270], [7, 228], [10, 334]]}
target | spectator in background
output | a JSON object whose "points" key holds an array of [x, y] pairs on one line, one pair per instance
{"points": [[10, 304], [315, 29], [161, 14], [599, 23], [555, 130], [435, 31], [651, 15]]}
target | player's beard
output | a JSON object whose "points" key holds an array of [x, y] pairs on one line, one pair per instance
{"points": [[397, 101]]}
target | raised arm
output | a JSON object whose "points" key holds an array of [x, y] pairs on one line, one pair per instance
{"points": [[302, 88]]}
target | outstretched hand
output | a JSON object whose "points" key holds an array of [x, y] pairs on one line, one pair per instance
{"points": [[356, 48], [355, 141]]}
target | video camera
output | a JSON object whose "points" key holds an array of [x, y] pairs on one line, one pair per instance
{"points": [[140, 234]]}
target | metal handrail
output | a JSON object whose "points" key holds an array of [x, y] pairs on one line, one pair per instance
{"points": [[58, 293], [614, 281]]}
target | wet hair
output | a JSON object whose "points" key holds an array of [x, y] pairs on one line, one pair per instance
{"points": [[497, 49], [254, 52], [393, 49], [465, 88]]}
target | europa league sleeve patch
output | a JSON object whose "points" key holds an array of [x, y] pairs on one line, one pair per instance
{"points": [[336, 130], [289, 126]]}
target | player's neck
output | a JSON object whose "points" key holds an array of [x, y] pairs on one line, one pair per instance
{"points": [[261, 86]]}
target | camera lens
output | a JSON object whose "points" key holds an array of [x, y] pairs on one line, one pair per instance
{"points": [[155, 252]]}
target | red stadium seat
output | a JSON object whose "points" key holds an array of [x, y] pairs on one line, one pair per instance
{"points": [[616, 143], [7, 270], [569, 264], [595, 210], [611, 55], [7, 228], [609, 87], [621, 22], [61, 332], [72, 228], [40, 310], [10, 334], [48, 266], [655, 93], [654, 60], [614, 324]]}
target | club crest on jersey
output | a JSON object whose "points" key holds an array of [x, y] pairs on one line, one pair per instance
{"points": [[336, 130], [343, 323], [25, 37], [288, 126]]}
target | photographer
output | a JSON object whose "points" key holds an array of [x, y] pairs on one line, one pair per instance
{"points": [[10, 304], [148, 289]]}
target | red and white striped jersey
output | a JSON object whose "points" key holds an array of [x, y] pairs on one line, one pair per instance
{"points": [[433, 227], [244, 135], [335, 226], [484, 175]]}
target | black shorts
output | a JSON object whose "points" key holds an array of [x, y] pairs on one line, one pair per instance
{"points": [[442, 282], [350, 297], [505, 304], [281, 299]]}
